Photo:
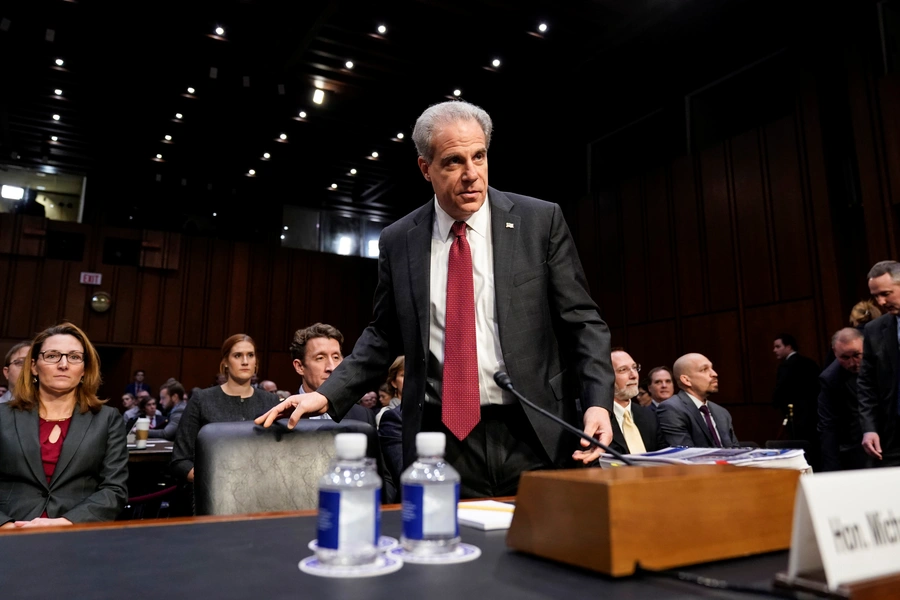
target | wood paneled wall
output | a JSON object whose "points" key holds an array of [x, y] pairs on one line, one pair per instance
{"points": [[717, 252], [172, 323]]}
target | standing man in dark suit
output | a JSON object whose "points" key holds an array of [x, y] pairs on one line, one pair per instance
{"points": [[634, 426], [839, 432], [797, 384], [473, 282], [690, 418], [876, 387]]}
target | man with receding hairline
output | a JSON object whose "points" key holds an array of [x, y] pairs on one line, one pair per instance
{"points": [[474, 282], [876, 387], [838, 407], [690, 418]]}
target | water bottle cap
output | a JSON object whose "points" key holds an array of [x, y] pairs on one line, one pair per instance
{"points": [[430, 443], [351, 446]]}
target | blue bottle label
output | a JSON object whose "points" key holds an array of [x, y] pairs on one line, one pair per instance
{"points": [[430, 511], [329, 519], [377, 501]]}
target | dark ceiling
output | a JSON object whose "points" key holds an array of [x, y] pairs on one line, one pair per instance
{"points": [[128, 66]]}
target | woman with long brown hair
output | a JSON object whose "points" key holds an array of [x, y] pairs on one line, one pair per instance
{"points": [[234, 400], [63, 457]]}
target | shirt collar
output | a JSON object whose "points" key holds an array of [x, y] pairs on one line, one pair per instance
{"points": [[620, 410], [478, 223], [790, 355], [697, 401]]}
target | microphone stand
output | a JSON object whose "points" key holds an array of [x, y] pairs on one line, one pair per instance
{"points": [[503, 380]]}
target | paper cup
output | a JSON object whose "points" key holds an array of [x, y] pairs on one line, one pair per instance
{"points": [[141, 432]]}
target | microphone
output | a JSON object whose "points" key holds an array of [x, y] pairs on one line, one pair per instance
{"points": [[503, 380]]}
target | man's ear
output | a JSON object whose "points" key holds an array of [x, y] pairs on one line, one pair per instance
{"points": [[423, 166], [298, 366]]}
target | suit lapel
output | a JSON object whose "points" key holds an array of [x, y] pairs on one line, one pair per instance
{"points": [[643, 426], [418, 249], [77, 430], [890, 331], [618, 436], [504, 238], [722, 428], [29, 439], [699, 421]]}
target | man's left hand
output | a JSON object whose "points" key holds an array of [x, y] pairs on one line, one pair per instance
{"points": [[43, 522], [596, 425]]}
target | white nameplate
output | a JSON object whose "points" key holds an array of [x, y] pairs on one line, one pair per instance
{"points": [[847, 524]]}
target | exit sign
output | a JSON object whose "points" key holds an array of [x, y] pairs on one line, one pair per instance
{"points": [[91, 278]]}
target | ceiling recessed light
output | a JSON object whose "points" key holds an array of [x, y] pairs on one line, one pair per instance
{"points": [[168, 138], [283, 136], [60, 62], [214, 214], [400, 136], [334, 186], [251, 172], [318, 96], [382, 29], [457, 92], [302, 114], [54, 138], [496, 62], [266, 155], [542, 27], [178, 115], [56, 117], [349, 64], [159, 156], [220, 31], [58, 92], [282, 235], [353, 171], [285, 227], [190, 90], [375, 155]]}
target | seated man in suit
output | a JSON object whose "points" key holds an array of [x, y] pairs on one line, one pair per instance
{"points": [[690, 418], [634, 427]]}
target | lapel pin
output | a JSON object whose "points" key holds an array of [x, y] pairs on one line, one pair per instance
{"points": [[510, 226]]}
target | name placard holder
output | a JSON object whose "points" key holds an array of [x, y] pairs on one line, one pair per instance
{"points": [[610, 520], [846, 535]]}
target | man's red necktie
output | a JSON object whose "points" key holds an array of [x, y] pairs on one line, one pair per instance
{"points": [[460, 399]]}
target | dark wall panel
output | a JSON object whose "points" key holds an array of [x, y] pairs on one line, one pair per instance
{"points": [[688, 251], [633, 240], [657, 238], [720, 261]]}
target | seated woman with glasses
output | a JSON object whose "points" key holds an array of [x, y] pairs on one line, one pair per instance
{"points": [[234, 400], [63, 458]]}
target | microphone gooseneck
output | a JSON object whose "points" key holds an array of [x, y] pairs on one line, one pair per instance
{"points": [[503, 380]]}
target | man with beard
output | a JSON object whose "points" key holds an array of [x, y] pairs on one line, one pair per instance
{"points": [[690, 418], [634, 426]]}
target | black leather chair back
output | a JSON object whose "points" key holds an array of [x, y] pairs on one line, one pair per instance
{"points": [[244, 468]]}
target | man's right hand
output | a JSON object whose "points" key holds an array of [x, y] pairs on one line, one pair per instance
{"points": [[302, 405], [872, 444]]}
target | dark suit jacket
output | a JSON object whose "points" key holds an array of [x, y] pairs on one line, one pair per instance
{"points": [[89, 483], [876, 386], [682, 424], [390, 436], [645, 420], [839, 433], [798, 384], [550, 330]]}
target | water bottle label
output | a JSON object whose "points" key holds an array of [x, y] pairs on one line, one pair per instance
{"points": [[329, 517], [349, 519], [430, 511]]}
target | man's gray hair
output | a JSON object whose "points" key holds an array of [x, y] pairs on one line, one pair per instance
{"points": [[846, 335], [886, 266], [443, 114]]}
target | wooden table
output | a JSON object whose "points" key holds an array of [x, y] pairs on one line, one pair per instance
{"points": [[157, 450]]}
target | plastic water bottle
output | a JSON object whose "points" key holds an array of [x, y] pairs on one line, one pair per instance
{"points": [[349, 521], [430, 497]]}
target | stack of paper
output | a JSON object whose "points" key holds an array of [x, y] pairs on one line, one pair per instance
{"points": [[486, 515], [774, 458]]}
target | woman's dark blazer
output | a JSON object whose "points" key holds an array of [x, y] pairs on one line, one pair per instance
{"points": [[89, 483]]}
